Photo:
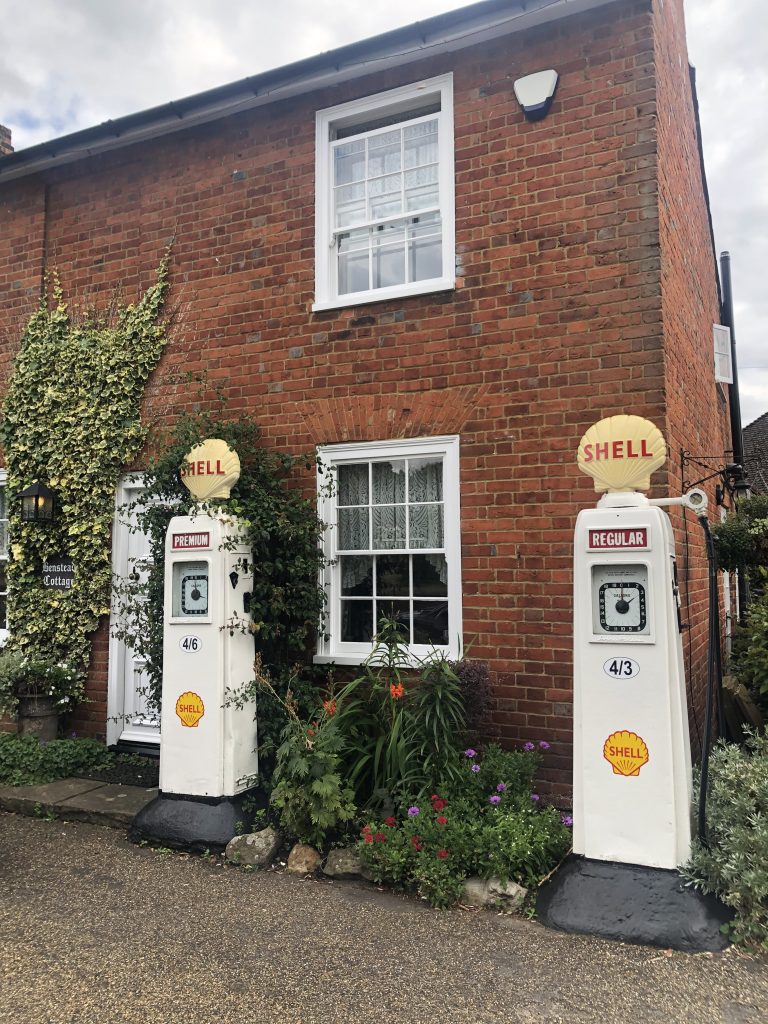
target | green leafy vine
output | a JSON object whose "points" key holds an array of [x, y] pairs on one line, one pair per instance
{"points": [[72, 419]]}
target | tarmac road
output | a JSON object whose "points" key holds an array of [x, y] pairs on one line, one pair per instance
{"points": [[93, 929]]}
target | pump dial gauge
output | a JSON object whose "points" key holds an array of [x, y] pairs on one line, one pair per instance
{"points": [[194, 594], [619, 599]]}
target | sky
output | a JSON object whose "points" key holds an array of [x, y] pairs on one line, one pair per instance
{"points": [[70, 64]]}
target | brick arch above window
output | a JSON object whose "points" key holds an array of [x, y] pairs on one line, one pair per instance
{"points": [[389, 417]]}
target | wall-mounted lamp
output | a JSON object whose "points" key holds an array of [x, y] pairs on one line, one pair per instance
{"points": [[535, 92], [38, 503]]}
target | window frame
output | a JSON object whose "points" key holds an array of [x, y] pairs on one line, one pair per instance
{"points": [[393, 101], [331, 456]]}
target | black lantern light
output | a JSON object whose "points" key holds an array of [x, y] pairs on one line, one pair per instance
{"points": [[38, 503]]}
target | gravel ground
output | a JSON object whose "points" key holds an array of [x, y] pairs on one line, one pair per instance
{"points": [[93, 929]]}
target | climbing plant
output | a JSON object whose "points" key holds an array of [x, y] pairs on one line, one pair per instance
{"points": [[283, 529], [72, 419]]}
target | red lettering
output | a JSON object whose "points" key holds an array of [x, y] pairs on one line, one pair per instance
{"points": [[601, 451], [644, 449], [587, 452], [618, 449], [631, 453]]}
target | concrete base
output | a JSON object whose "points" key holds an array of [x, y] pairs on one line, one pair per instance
{"points": [[632, 904], [196, 822]]}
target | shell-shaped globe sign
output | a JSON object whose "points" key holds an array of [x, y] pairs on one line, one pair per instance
{"points": [[626, 752], [190, 709], [210, 470], [621, 452]]}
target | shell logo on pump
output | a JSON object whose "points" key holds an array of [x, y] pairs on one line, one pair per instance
{"points": [[621, 452], [626, 752], [190, 709]]}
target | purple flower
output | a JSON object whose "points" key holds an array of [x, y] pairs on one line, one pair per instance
{"points": [[413, 811], [501, 788], [529, 746], [494, 799], [543, 745], [475, 767], [567, 820], [535, 797], [73, 735], [469, 752]]}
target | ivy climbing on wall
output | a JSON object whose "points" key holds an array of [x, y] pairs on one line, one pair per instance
{"points": [[72, 419]]}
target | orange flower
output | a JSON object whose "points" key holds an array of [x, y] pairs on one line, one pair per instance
{"points": [[329, 707], [396, 691]]}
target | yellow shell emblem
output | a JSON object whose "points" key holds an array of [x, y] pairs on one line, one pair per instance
{"points": [[621, 452], [190, 709], [626, 752], [210, 470]]}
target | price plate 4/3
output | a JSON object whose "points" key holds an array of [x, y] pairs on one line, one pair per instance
{"points": [[621, 668], [191, 644]]}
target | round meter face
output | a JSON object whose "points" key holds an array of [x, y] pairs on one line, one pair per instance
{"points": [[194, 594], [619, 599]]}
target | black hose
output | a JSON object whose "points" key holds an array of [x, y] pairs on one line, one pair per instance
{"points": [[714, 680]]}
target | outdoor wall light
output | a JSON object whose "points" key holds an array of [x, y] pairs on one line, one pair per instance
{"points": [[38, 504], [534, 93]]}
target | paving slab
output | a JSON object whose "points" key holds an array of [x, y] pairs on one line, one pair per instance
{"points": [[107, 804], [78, 799]]}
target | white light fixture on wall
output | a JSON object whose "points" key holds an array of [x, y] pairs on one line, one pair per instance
{"points": [[534, 93]]}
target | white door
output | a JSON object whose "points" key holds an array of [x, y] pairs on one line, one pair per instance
{"points": [[128, 718]]}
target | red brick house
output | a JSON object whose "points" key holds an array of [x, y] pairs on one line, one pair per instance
{"points": [[381, 256]]}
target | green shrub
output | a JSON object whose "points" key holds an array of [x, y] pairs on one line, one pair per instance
{"points": [[489, 823], [735, 865], [25, 760], [741, 541], [749, 651], [400, 721]]}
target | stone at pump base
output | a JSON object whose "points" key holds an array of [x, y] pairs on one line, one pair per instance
{"points": [[344, 863], [492, 892], [303, 860], [647, 906], [255, 849], [196, 822]]}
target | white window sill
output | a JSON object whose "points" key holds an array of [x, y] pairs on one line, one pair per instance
{"points": [[359, 659], [384, 294]]}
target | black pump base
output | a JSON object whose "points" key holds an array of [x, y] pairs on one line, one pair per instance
{"points": [[635, 904], [196, 822]]}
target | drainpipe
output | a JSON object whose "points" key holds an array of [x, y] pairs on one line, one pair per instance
{"points": [[740, 483]]}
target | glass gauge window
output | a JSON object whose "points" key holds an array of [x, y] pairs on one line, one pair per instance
{"points": [[620, 599], [190, 589]]}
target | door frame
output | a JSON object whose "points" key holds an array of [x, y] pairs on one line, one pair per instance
{"points": [[116, 674]]}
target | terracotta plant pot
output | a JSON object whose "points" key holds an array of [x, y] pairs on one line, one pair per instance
{"points": [[38, 716]]}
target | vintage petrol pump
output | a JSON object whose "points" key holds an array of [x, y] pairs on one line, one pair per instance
{"points": [[632, 786], [208, 754]]}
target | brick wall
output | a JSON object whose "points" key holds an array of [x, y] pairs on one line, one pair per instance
{"points": [[697, 418], [556, 322]]}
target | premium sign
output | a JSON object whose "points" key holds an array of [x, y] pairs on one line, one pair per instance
{"points": [[621, 452], [602, 540], [58, 572], [210, 470], [190, 541]]}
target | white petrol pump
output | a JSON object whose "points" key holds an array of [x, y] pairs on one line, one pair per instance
{"points": [[632, 760], [208, 747], [208, 752]]}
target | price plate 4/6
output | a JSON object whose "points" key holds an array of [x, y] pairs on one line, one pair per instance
{"points": [[190, 644], [621, 668]]}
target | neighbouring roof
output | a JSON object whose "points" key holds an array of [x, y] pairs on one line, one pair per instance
{"points": [[756, 454], [444, 33]]}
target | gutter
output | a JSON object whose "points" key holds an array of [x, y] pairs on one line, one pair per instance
{"points": [[445, 33]]}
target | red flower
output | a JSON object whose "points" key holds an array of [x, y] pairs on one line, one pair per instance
{"points": [[380, 837], [442, 820], [329, 707], [367, 837], [416, 842], [396, 692], [438, 804], [366, 828], [390, 821], [442, 854]]}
